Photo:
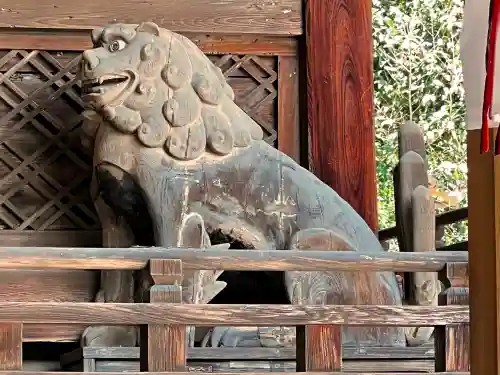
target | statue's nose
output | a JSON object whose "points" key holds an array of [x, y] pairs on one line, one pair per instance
{"points": [[90, 61]]}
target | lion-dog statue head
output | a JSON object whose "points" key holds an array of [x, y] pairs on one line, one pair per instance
{"points": [[159, 87], [153, 98]]}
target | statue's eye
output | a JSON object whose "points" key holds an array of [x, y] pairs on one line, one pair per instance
{"points": [[116, 45]]}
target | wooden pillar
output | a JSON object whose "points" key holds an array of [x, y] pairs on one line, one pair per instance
{"points": [[484, 256], [340, 100], [483, 195], [163, 347]]}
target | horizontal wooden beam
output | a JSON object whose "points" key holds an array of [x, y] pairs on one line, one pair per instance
{"points": [[214, 259], [51, 238], [242, 16], [458, 246], [213, 44], [230, 315], [446, 218], [348, 352], [219, 373]]}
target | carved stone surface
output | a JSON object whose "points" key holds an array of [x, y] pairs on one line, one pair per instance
{"points": [[171, 145]]}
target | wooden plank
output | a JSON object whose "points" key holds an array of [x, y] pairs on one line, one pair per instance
{"points": [[446, 218], [387, 367], [48, 285], [51, 238], [245, 16], [319, 348], [484, 250], [237, 260], [213, 44], [230, 315], [340, 100], [453, 342], [288, 107], [237, 77], [348, 353], [220, 373], [166, 344], [11, 346], [52, 333]]}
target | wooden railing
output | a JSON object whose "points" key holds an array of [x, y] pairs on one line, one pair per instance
{"points": [[446, 218], [163, 321]]}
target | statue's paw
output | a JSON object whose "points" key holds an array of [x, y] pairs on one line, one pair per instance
{"points": [[109, 336], [277, 337], [271, 337], [416, 336], [234, 337]]}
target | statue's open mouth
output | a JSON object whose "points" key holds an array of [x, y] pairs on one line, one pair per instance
{"points": [[106, 88]]}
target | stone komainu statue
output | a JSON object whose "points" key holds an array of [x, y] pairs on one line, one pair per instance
{"points": [[176, 161]]}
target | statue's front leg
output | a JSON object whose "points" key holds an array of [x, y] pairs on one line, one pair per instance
{"points": [[116, 286]]}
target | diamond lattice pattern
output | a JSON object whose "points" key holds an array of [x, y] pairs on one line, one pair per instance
{"points": [[44, 173]]}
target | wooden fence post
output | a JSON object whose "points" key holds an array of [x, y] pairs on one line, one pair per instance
{"points": [[319, 348], [11, 347], [452, 342], [163, 347]]}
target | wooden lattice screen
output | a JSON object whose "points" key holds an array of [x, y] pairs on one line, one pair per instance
{"points": [[44, 173]]}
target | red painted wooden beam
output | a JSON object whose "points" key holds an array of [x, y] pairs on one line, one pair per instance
{"points": [[340, 100]]}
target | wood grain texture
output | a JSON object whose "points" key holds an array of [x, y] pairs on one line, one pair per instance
{"points": [[484, 250], [245, 16], [359, 366], [165, 272], [52, 238], [11, 346], [453, 342], [288, 107], [52, 332], [340, 100], [220, 373], [319, 348], [348, 352], [166, 344], [387, 367], [355, 359], [79, 40], [48, 286], [237, 260], [230, 315]]}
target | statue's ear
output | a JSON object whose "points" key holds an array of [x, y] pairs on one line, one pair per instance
{"points": [[96, 35], [149, 27]]}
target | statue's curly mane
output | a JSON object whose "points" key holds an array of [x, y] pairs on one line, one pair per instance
{"points": [[182, 102]]}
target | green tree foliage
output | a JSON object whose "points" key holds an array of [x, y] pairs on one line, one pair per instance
{"points": [[418, 77]]}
